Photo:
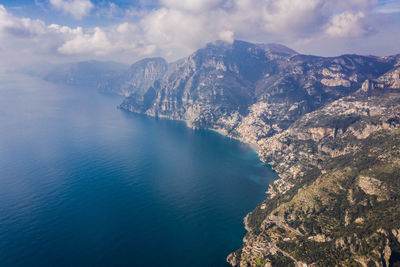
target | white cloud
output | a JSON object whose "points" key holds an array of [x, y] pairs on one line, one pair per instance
{"points": [[347, 24], [297, 17], [77, 8], [175, 32], [96, 43], [388, 7], [21, 28], [227, 36], [177, 28], [388, 10], [191, 5]]}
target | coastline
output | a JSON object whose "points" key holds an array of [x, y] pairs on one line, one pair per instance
{"points": [[253, 146]]}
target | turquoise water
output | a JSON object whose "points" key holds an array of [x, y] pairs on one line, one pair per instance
{"points": [[83, 183]]}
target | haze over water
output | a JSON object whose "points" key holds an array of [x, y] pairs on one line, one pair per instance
{"points": [[83, 183]]}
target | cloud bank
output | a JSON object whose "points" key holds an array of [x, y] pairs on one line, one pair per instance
{"points": [[176, 28]]}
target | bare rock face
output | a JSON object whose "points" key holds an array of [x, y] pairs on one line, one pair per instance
{"points": [[387, 252], [391, 79], [373, 186], [367, 85], [336, 82], [396, 234], [137, 79]]}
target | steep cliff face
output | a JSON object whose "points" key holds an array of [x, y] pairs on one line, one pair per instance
{"points": [[329, 126], [210, 84], [137, 79]]}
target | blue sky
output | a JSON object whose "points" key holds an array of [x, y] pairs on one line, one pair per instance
{"points": [[122, 30]]}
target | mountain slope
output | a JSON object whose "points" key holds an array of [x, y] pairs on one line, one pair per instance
{"points": [[137, 79], [337, 201], [218, 87], [328, 126]]}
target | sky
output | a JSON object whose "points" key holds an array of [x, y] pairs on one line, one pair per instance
{"points": [[34, 31]]}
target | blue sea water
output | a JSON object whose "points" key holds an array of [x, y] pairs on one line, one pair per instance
{"points": [[83, 183]]}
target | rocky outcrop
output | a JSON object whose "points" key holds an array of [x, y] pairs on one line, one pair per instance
{"points": [[373, 186]]}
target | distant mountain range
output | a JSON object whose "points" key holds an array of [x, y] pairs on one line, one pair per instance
{"points": [[330, 126], [85, 73]]}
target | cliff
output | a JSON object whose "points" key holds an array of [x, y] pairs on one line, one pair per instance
{"points": [[137, 79]]}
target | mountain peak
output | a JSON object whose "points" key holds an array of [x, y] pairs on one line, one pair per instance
{"points": [[278, 49], [273, 48], [145, 61]]}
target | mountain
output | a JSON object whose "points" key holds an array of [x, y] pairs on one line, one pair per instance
{"points": [[84, 73], [330, 126], [137, 79], [249, 90]]}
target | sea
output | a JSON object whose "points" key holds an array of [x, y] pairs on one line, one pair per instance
{"points": [[83, 183]]}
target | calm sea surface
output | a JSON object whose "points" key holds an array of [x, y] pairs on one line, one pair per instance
{"points": [[83, 183]]}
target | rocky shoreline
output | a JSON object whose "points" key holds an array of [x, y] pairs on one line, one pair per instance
{"points": [[328, 126]]}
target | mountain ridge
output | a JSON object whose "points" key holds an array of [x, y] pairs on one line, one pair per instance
{"points": [[218, 65]]}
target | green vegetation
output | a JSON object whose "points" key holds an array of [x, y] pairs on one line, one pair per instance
{"points": [[347, 207]]}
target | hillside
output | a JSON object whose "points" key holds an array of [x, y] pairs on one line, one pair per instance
{"points": [[337, 202], [328, 126]]}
